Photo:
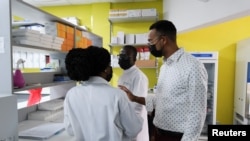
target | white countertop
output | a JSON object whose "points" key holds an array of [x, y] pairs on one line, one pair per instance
{"points": [[62, 136]]}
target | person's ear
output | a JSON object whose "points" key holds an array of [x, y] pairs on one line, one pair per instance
{"points": [[164, 39], [106, 70]]}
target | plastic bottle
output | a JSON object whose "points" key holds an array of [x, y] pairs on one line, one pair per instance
{"points": [[141, 53], [146, 53], [19, 81]]}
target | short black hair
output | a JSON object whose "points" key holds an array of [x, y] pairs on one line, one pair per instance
{"points": [[131, 51], [165, 28], [82, 63]]}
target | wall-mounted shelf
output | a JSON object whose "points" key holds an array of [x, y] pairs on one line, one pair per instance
{"points": [[121, 45], [29, 47], [43, 85], [38, 79], [24, 10], [133, 19], [29, 12], [147, 64], [153, 63]]}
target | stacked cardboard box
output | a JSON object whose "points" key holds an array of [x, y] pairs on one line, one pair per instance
{"points": [[63, 32]]}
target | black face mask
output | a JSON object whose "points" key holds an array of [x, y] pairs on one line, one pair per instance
{"points": [[110, 75], [154, 52], [124, 62]]}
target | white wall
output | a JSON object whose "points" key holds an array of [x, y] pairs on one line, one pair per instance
{"points": [[192, 14]]}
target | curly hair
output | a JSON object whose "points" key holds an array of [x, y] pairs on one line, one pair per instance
{"points": [[82, 63]]}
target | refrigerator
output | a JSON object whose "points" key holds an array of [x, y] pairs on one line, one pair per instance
{"points": [[210, 61]]}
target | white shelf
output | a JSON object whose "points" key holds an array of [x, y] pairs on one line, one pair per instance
{"points": [[147, 64], [30, 47], [132, 19], [121, 45], [25, 23], [43, 85], [34, 14]]}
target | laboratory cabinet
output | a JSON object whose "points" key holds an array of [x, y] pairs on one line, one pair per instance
{"points": [[38, 79], [210, 61], [242, 83]]}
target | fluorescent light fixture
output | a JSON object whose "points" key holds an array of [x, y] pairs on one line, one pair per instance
{"points": [[204, 0], [45, 0]]}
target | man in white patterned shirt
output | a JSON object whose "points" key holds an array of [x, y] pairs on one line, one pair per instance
{"points": [[180, 101]]}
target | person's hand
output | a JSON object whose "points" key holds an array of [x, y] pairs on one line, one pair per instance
{"points": [[129, 93]]}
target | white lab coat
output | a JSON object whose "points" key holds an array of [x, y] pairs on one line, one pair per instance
{"points": [[96, 111], [137, 82]]}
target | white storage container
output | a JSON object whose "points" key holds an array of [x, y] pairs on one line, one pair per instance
{"points": [[141, 38], [134, 13], [129, 38], [114, 40], [149, 12], [120, 37]]}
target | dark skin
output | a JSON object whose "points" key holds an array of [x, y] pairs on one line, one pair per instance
{"points": [[129, 53], [163, 43], [133, 98], [105, 72]]}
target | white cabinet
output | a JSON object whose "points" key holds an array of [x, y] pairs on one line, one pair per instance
{"points": [[210, 61], [8, 118], [18, 8], [242, 83]]}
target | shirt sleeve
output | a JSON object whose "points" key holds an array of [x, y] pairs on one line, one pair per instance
{"points": [[140, 89], [129, 120], [67, 125], [150, 102], [198, 98]]}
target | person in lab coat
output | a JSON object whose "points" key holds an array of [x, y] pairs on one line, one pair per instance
{"points": [[136, 81], [94, 110], [180, 101]]}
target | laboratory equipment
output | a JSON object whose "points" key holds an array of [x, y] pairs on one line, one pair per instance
{"points": [[210, 61]]}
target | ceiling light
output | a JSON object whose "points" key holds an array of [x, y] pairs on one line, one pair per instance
{"points": [[45, 0], [204, 0]]}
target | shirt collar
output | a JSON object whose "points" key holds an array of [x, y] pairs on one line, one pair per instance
{"points": [[97, 80], [174, 57], [130, 69]]}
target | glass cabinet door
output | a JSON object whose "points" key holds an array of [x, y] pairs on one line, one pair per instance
{"points": [[211, 95]]}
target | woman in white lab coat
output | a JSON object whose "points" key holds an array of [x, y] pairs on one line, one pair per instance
{"points": [[94, 110], [137, 82]]}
